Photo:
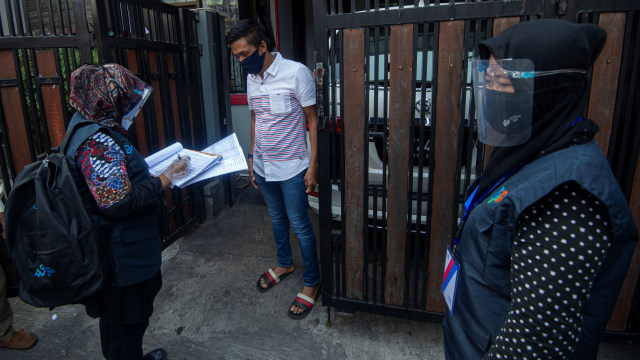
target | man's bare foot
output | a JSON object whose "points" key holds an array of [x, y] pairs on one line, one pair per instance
{"points": [[310, 291], [279, 271]]}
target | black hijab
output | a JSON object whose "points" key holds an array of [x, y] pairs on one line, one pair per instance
{"points": [[559, 100]]}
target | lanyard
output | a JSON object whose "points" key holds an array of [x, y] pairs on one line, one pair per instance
{"points": [[470, 204]]}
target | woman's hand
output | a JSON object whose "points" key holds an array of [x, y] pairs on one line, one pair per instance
{"points": [[177, 169]]}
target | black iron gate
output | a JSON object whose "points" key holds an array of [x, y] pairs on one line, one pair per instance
{"points": [[41, 43], [396, 137]]}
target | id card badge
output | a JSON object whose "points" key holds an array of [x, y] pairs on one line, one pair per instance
{"points": [[280, 103], [450, 279]]}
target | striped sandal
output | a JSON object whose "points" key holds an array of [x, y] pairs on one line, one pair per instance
{"points": [[305, 303], [271, 279]]}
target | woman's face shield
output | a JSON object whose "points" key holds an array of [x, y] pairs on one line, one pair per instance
{"points": [[503, 91]]}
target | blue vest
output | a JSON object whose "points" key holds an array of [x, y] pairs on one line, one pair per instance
{"points": [[136, 244], [484, 252]]}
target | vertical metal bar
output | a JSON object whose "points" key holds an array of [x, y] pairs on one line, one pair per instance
{"points": [[11, 20], [420, 233], [343, 160], [40, 18], [365, 158], [334, 119], [82, 31], [324, 153], [22, 28], [185, 65], [414, 236], [52, 22], [376, 221], [385, 157], [136, 28], [14, 18], [60, 20], [68, 16], [63, 102], [126, 20]]}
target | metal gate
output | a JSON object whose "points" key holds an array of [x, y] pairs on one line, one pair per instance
{"points": [[396, 138], [41, 43]]}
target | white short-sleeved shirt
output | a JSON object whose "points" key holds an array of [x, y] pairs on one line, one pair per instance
{"points": [[280, 148]]}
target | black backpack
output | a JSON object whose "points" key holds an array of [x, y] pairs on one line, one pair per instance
{"points": [[58, 251]]}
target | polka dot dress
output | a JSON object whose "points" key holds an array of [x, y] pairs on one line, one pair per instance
{"points": [[561, 243]]}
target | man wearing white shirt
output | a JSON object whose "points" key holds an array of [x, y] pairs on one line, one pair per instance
{"points": [[282, 99]]}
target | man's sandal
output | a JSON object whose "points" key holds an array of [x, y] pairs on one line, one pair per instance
{"points": [[271, 279], [305, 303]]}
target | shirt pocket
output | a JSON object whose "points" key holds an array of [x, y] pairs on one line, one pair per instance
{"points": [[280, 103]]}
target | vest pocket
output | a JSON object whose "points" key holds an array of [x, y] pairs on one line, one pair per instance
{"points": [[496, 233], [464, 338]]}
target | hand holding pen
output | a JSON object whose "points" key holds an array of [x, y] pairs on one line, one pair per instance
{"points": [[178, 168]]}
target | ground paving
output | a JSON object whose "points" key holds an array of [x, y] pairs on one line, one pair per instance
{"points": [[209, 308]]}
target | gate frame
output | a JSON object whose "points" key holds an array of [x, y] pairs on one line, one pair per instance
{"points": [[328, 17], [183, 119]]}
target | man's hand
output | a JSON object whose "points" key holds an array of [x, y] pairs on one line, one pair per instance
{"points": [[311, 179], [252, 177]]}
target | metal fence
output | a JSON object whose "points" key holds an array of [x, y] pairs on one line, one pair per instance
{"points": [[41, 43], [396, 83]]}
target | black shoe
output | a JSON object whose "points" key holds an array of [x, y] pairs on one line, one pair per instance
{"points": [[157, 354]]}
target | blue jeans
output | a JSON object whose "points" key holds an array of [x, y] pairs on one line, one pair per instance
{"points": [[287, 203]]}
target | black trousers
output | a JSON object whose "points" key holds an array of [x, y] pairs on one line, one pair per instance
{"points": [[124, 318], [122, 342]]}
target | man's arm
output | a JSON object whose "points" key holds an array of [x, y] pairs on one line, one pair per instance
{"points": [[311, 178]]}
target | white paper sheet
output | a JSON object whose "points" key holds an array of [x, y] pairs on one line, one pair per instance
{"points": [[200, 162], [233, 158]]}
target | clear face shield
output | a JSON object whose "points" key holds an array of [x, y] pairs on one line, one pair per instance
{"points": [[134, 108], [503, 91]]}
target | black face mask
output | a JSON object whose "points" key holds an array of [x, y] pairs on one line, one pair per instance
{"points": [[253, 63], [504, 111]]}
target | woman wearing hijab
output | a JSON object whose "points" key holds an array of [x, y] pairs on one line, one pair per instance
{"points": [[116, 186], [547, 235]]}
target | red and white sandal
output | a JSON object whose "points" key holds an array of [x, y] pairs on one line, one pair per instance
{"points": [[305, 303], [271, 279]]}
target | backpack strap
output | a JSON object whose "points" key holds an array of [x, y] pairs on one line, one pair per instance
{"points": [[63, 145]]}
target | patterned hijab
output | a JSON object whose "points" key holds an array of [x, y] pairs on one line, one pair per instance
{"points": [[104, 93]]}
